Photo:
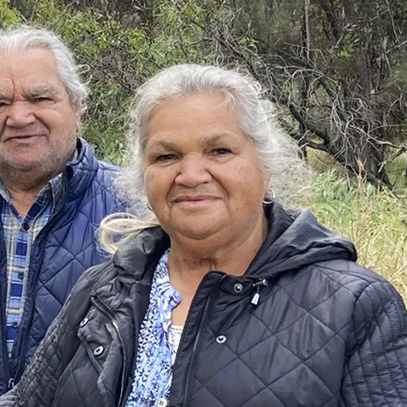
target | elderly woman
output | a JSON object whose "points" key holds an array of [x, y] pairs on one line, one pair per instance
{"points": [[229, 301]]}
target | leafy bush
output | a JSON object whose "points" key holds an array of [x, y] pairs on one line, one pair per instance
{"points": [[116, 57], [120, 47], [8, 15]]}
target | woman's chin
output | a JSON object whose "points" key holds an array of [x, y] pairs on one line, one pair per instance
{"points": [[196, 231]]}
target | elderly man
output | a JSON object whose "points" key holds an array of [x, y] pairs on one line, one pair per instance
{"points": [[53, 191]]}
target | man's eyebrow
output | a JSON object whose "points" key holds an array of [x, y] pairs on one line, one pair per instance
{"points": [[43, 90]]}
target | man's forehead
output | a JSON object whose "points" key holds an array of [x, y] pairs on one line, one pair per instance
{"points": [[7, 89], [36, 63]]}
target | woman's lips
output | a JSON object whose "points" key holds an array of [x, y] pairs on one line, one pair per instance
{"points": [[195, 201]]}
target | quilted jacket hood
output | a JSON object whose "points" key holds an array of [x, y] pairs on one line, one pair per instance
{"points": [[81, 170], [295, 240]]}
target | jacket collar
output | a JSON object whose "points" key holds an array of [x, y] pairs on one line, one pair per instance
{"points": [[143, 250], [295, 239], [80, 171]]}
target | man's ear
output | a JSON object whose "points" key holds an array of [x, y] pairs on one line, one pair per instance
{"points": [[78, 117]]}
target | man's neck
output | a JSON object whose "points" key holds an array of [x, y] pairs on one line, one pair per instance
{"points": [[23, 200], [23, 191]]}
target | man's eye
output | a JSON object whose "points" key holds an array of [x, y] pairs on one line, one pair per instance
{"points": [[221, 151], [42, 99]]}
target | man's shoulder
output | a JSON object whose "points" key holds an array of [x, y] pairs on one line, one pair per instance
{"points": [[104, 166], [106, 176]]}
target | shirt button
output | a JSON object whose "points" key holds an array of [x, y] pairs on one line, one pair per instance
{"points": [[162, 403], [21, 275], [26, 226], [14, 324]]}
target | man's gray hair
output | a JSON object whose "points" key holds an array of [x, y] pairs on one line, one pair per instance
{"points": [[276, 154], [24, 37]]}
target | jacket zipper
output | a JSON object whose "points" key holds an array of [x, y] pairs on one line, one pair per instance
{"points": [[262, 282], [196, 341], [32, 281], [105, 310], [254, 301]]}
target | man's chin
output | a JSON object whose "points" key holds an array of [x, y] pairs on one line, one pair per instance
{"points": [[40, 165], [26, 165]]}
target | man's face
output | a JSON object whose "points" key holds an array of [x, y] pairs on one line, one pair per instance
{"points": [[38, 124]]}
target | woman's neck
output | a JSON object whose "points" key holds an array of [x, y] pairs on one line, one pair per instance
{"points": [[189, 260]]}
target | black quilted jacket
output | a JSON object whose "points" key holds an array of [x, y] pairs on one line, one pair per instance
{"points": [[62, 251], [324, 332]]}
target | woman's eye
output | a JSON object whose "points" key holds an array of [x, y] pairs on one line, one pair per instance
{"points": [[165, 157]]}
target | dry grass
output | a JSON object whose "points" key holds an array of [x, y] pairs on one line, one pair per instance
{"points": [[375, 221]]}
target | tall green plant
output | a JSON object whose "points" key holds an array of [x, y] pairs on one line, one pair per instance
{"points": [[374, 220]]}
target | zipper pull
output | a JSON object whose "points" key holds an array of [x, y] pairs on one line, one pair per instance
{"points": [[10, 383], [256, 296]]}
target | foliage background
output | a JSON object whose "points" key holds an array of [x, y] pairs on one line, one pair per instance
{"points": [[335, 70]]}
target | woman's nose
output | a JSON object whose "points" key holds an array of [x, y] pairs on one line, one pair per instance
{"points": [[192, 172]]}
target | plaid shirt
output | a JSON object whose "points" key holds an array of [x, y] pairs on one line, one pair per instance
{"points": [[19, 237]]}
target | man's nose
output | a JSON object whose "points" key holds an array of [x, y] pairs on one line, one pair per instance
{"points": [[192, 172], [20, 114]]}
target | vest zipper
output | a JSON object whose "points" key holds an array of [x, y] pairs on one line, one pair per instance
{"points": [[6, 360], [10, 383], [105, 310], [3, 320], [21, 353]]}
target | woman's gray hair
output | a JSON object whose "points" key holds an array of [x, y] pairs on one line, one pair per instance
{"points": [[24, 37], [276, 154]]}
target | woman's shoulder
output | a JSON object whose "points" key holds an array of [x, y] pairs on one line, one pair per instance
{"points": [[350, 274], [343, 285], [366, 292]]}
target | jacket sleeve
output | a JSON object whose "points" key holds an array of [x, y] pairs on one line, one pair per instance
{"points": [[40, 379], [375, 371]]}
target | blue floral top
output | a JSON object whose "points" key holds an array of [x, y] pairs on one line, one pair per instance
{"points": [[155, 354]]}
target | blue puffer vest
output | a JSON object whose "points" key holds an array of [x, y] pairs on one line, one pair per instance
{"points": [[63, 249]]}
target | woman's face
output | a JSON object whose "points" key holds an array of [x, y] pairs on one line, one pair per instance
{"points": [[201, 171]]}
